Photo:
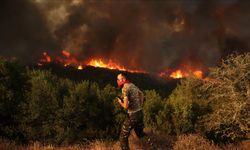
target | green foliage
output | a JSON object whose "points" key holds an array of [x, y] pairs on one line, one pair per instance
{"points": [[217, 106], [112, 111], [89, 113], [182, 108], [152, 106], [229, 94], [165, 119], [13, 86], [61, 111], [38, 106], [39, 110]]}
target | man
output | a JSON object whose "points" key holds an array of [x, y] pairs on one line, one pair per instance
{"points": [[132, 101]]}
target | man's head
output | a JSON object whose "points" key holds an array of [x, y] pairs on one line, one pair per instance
{"points": [[121, 80]]}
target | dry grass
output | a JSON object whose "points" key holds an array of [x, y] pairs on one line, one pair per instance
{"points": [[7, 145], [194, 141], [197, 142], [240, 146], [162, 142]]}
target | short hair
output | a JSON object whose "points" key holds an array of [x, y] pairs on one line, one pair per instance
{"points": [[122, 75]]}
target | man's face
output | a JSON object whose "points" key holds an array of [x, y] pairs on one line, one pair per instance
{"points": [[120, 80]]}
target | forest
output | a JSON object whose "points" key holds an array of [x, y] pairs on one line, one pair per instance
{"points": [[53, 108]]}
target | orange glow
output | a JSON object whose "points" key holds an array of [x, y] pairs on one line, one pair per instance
{"points": [[44, 59], [80, 67], [198, 74], [100, 63], [110, 65], [68, 60], [65, 65], [181, 74], [177, 74], [65, 53], [47, 57]]}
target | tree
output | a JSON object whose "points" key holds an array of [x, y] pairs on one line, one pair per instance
{"points": [[184, 106], [228, 87], [152, 106], [13, 87], [39, 110]]}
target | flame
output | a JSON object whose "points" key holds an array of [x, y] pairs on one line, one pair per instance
{"points": [[47, 57], [100, 63], [65, 53], [110, 65], [198, 74], [80, 67], [97, 63], [181, 74], [68, 60], [177, 74]]}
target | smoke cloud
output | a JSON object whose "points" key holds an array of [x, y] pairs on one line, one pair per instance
{"points": [[153, 35]]}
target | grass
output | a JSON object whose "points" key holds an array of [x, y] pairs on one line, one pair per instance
{"points": [[162, 142]]}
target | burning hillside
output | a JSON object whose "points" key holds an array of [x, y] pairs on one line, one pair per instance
{"points": [[68, 60]]}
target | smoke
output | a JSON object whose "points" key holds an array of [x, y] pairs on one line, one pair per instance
{"points": [[23, 30], [153, 35]]}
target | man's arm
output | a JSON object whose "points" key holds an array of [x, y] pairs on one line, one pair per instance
{"points": [[141, 95], [124, 104]]}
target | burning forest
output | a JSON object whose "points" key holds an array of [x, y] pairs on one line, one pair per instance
{"points": [[80, 71]]}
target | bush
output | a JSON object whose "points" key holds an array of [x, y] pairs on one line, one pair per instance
{"points": [[13, 87], [165, 119], [61, 111], [39, 110], [183, 108], [152, 106], [90, 111], [229, 96], [218, 106]]}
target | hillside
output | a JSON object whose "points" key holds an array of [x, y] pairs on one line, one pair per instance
{"points": [[107, 76]]}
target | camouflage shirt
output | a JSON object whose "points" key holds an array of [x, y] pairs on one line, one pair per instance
{"points": [[132, 92]]}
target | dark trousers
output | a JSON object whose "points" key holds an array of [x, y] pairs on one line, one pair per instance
{"points": [[133, 121]]}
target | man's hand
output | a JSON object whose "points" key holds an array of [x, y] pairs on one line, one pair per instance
{"points": [[123, 102], [119, 99]]}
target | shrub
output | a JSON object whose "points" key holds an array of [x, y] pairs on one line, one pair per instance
{"points": [[165, 120], [183, 108], [61, 111], [152, 106], [39, 110], [13, 87], [229, 95]]}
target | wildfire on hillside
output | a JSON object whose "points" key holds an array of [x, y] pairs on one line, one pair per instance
{"points": [[68, 60], [165, 38]]}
